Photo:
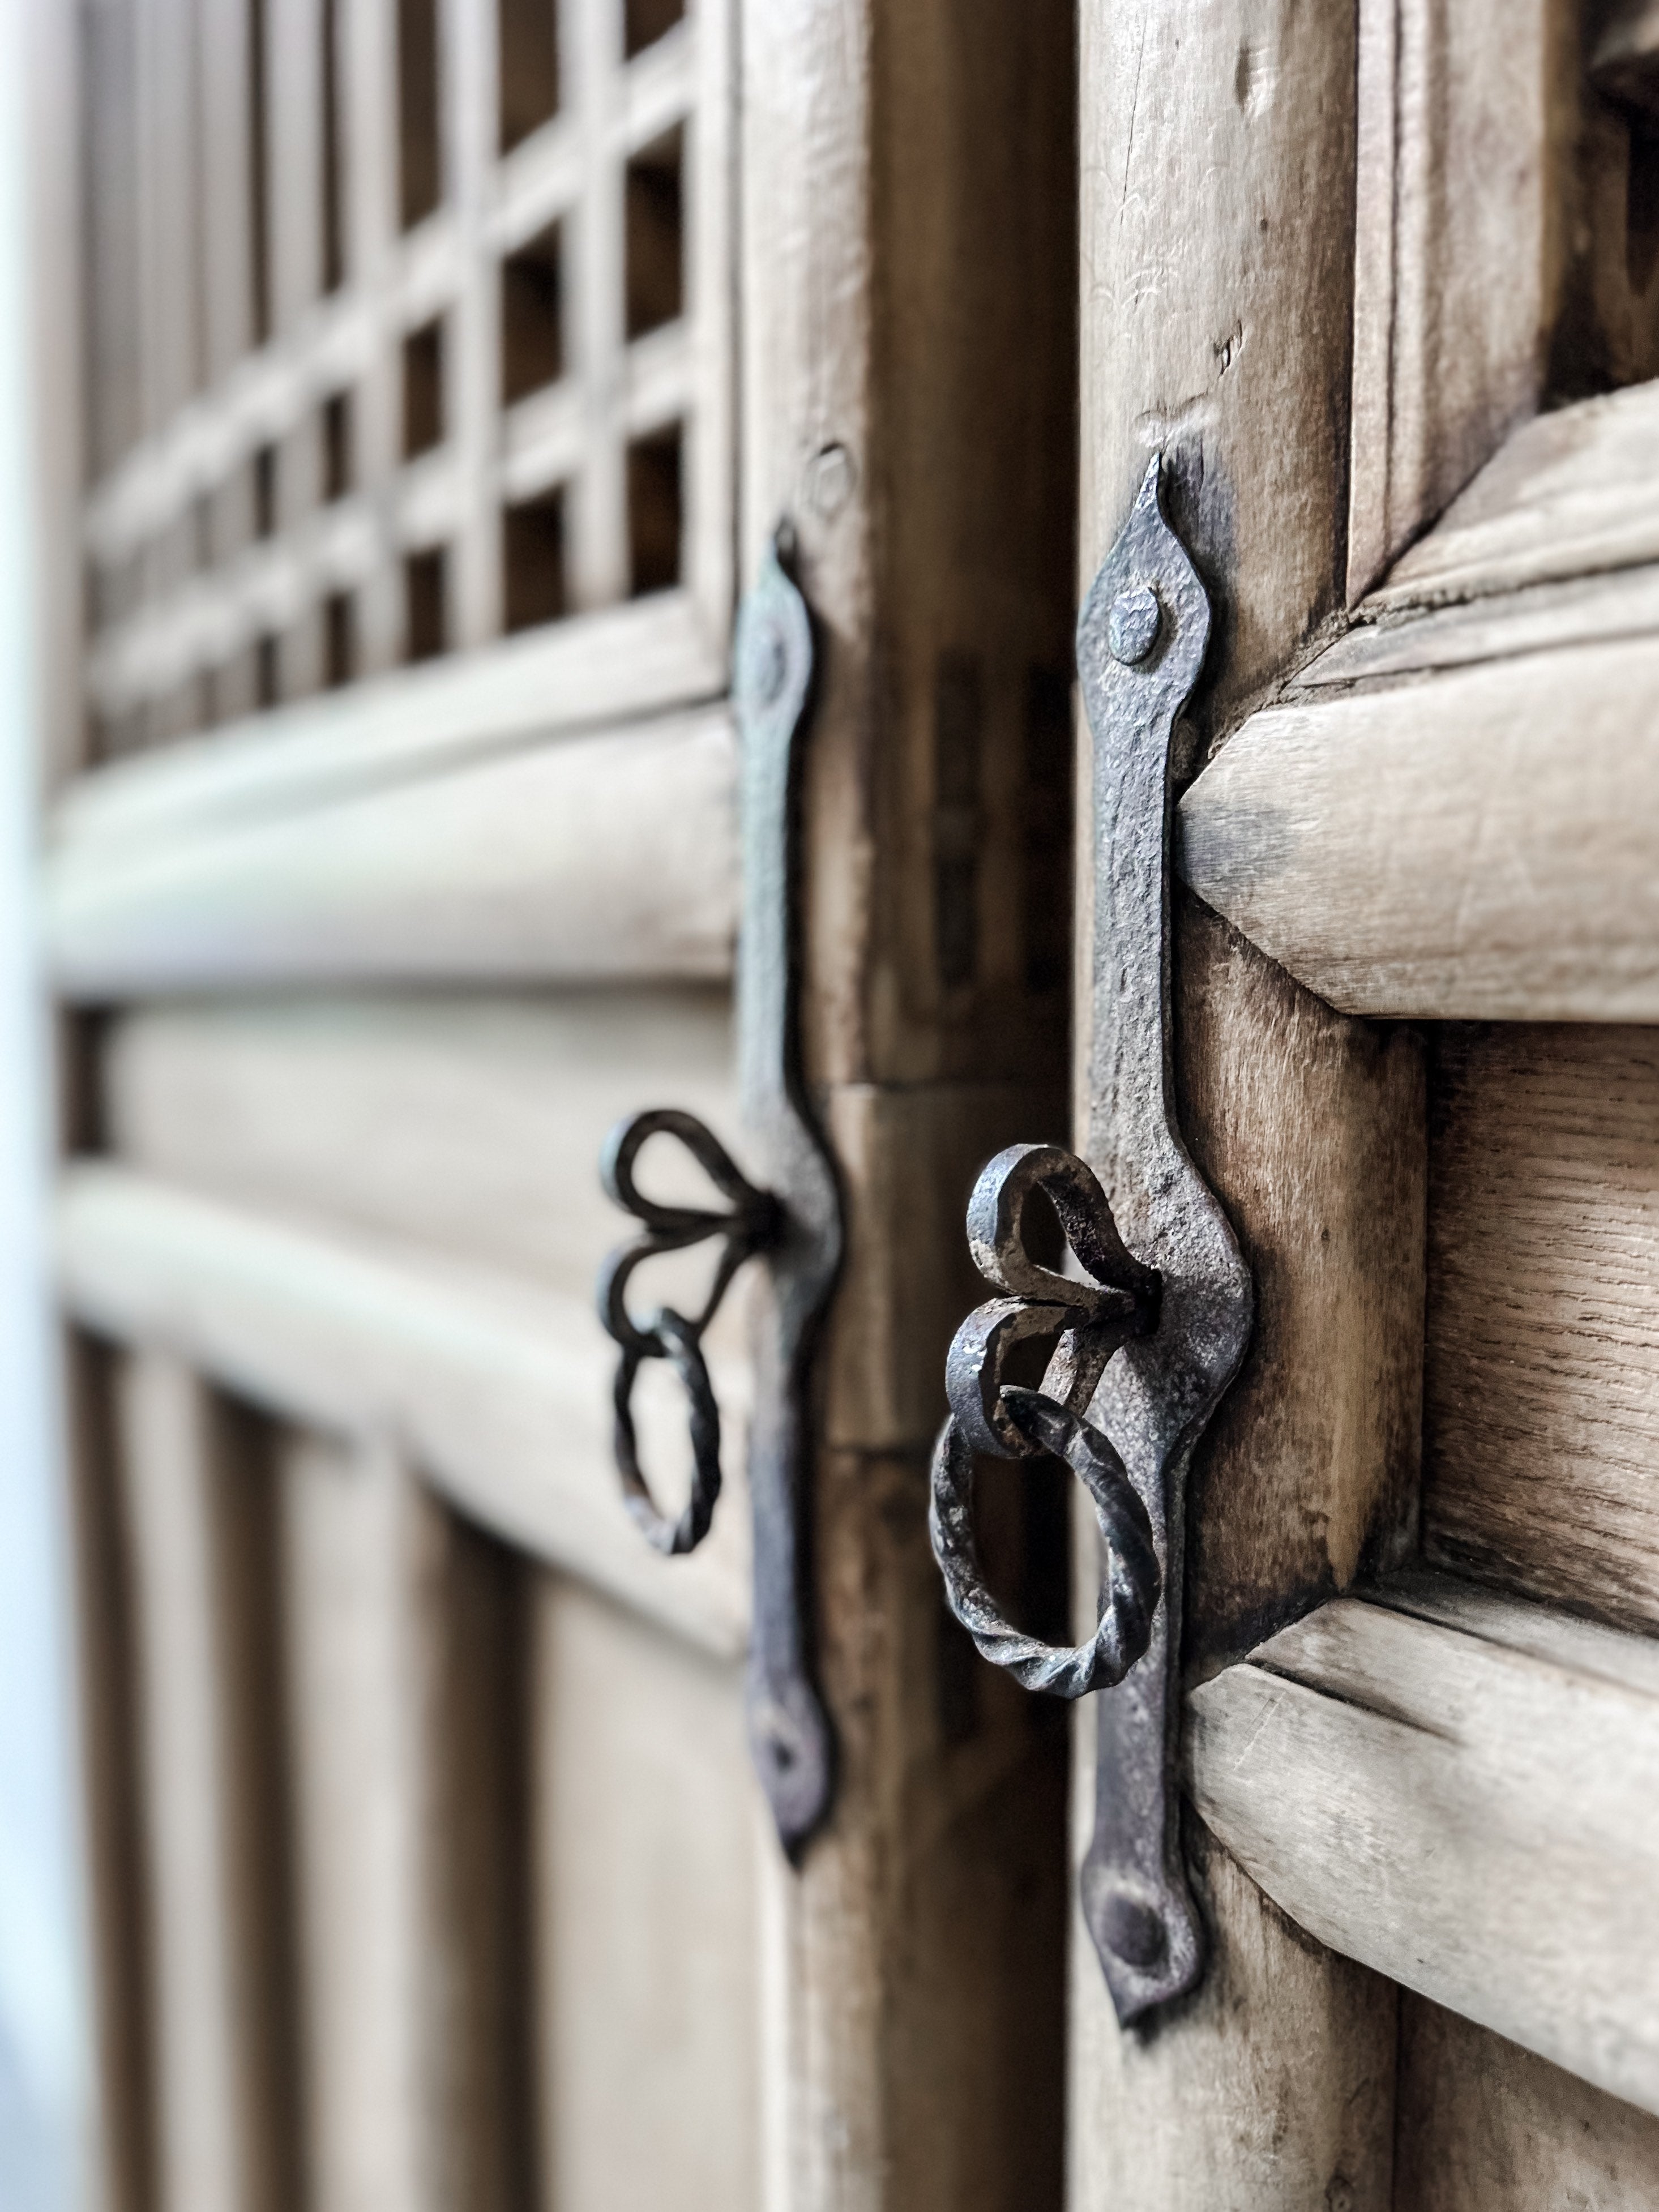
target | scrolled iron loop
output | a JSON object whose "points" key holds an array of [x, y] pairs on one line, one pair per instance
{"points": [[683, 1352], [996, 1234], [1132, 1584], [749, 1226], [751, 1209]]}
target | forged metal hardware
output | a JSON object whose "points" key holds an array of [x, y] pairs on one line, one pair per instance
{"points": [[1145, 1348], [791, 1219]]}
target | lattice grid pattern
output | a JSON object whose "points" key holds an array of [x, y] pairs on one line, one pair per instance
{"points": [[407, 329]]}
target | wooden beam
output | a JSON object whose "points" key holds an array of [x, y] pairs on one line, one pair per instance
{"points": [[610, 858], [1478, 845], [498, 1388], [1457, 1789]]}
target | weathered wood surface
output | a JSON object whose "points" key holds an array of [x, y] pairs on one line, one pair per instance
{"points": [[609, 858], [1564, 496], [909, 280], [1485, 2126], [1217, 318], [1466, 124], [498, 1389], [361, 1563], [1456, 1789], [1588, 609], [199, 1537], [1541, 1401], [1492, 860]]}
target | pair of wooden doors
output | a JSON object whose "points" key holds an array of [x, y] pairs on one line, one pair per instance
{"points": [[496, 340]]}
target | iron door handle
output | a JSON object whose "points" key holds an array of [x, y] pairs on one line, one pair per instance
{"points": [[1147, 1346], [789, 1219]]}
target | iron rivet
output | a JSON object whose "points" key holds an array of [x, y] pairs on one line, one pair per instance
{"points": [[1132, 627], [1134, 1929]]}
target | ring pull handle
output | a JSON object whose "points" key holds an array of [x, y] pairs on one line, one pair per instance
{"points": [[1147, 1346], [1091, 1320]]}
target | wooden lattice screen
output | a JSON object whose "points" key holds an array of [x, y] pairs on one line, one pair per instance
{"points": [[409, 330]]}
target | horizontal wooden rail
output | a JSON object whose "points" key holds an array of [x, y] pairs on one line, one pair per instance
{"points": [[1458, 1789], [1477, 844], [495, 1390], [609, 857], [619, 663]]}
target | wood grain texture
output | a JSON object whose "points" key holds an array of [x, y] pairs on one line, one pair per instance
{"points": [[1457, 1791], [908, 287], [1465, 143], [1485, 2126], [1541, 1397], [610, 858], [1562, 497], [499, 1390], [1217, 324], [1493, 861]]}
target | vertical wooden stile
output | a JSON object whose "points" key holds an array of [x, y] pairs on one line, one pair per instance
{"points": [[406, 1684], [126, 2175], [369, 172], [590, 33], [473, 330], [200, 1537], [1216, 320], [226, 195], [908, 271], [360, 1562]]}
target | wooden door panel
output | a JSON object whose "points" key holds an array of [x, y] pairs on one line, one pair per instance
{"points": [[1395, 443], [1541, 1410], [1485, 2126]]}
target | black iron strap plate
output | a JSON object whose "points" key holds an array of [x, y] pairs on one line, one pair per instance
{"points": [[1146, 1347], [789, 1216]]}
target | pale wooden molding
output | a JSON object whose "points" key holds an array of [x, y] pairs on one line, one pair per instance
{"points": [[1569, 494], [1478, 846], [1457, 1789], [610, 858], [497, 1391], [207, 2025], [625, 662]]}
